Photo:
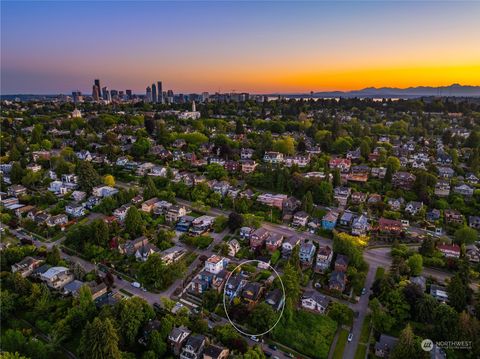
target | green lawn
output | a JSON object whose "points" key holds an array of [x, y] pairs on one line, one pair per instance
{"points": [[341, 342], [379, 273], [361, 351], [364, 334], [308, 333]]}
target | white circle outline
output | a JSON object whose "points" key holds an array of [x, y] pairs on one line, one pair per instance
{"points": [[225, 306]]}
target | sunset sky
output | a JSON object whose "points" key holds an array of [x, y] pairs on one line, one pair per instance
{"points": [[258, 47]]}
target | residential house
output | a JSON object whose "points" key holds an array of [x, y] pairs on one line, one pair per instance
{"points": [[474, 222], [273, 157], [233, 247], [312, 300], [343, 164], [145, 251], [215, 264], [471, 178], [72, 288], [445, 172], [439, 293], [246, 232], [235, 284], [120, 213], [358, 197], [341, 195], [449, 250], [232, 166], [300, 219], [385, 345], [201, 224], [104, 191], [329, 220], [360, 225], [337, 281], [174, 213], [75, 210], [273, 242], [248, 166], [176, 338], [58, 220], [395, 203], [79, 196], [464, 190], [272, 200], [215, 352], [403, 180], [57, 277], [389, 229], [453, 216], [420, 281], [297, 160], [246, 153], [307, 250], [341, 263], [172, 254], [275, 299], [433, 215], [442, 188], [252, 292], [324, 258], [131, 246], [193, 347], [26, 266], [288, 245], [148, 205], [258, 238], [413, 208], [16, 190], [346, 219]]}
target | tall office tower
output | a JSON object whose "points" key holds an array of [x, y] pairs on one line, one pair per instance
{"points": [[204, 96], [148, 93], [96, 82], [194, 108], [96, 93], [77, 96], [105, 93], [154, 93], [160, 92], [170, 96], [129, 94]]}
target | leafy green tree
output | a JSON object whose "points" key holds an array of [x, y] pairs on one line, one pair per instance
{"points": [[87, 176], [109, 180], [457, 293], [150, 189], [133, 222], [425, 309], [466, 235], [393, 163], [415, 263], [53, 257], [132, 314], [157, 344], [408, 346], [210, 300], [262, 317], [446, 322], [99, 340], [235, 220], [340, 313], [216, 171], [16, 173], [308, 202], [286, 145]]}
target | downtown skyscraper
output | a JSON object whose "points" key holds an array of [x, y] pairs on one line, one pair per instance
{"points": [[154, 93], [160, 92]]}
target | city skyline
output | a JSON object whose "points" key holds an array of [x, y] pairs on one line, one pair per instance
{"points": [[51, 47]]}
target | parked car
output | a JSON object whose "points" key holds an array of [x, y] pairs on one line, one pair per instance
{"points": [[272, 346], [136, 285], [350, 337], [254, 338]]}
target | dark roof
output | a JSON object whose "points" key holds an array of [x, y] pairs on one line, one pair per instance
{"points": [[213, 351], [274, 296]]}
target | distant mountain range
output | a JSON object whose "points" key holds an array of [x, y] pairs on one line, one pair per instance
{"points": [[455, 90]]}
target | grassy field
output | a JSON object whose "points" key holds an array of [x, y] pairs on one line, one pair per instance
{"points": [[361, 351], [379, 273], [364, 334], [341, 342], [308, 333]]}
